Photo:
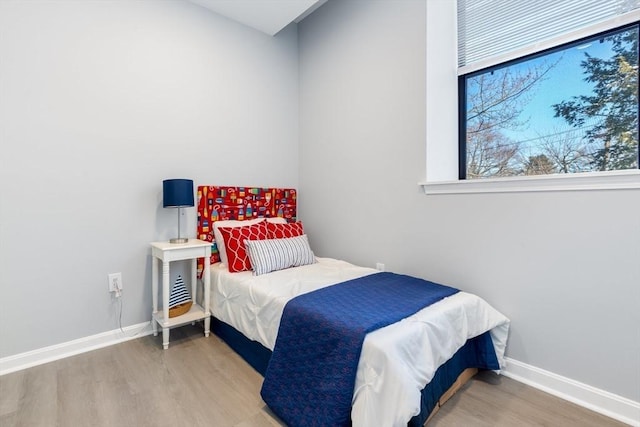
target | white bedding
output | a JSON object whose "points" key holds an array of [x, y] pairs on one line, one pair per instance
{"points": [[396, 361]]}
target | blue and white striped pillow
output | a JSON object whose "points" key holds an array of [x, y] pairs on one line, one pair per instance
{"points": [[277, 254]]}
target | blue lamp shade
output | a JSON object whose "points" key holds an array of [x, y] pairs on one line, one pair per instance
{"points": [[177, 193]]}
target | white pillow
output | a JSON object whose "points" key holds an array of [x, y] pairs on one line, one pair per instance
{"points": [[278, 254], [235, 223]]}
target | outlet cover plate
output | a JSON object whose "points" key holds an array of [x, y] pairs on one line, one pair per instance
{"points": [[115, 281]]}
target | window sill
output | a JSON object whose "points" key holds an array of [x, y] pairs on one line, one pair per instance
{"points": [[611, 180]]}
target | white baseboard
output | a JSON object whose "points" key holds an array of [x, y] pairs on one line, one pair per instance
{"points": [[59, 351], [609, 404]]}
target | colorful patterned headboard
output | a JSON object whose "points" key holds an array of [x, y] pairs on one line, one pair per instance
{"points": [[240, 203]]}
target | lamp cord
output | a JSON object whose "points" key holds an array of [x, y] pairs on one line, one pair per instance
{"points": [[120, 321], [120, 316]]}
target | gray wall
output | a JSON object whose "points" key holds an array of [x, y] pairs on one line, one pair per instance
{"points": [[564, 266], [99, 102]]}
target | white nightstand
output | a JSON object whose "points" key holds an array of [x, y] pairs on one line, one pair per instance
{"points": [[167, 252]]}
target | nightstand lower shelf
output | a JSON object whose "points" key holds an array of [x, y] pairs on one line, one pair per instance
{"points": [[195, 313]]}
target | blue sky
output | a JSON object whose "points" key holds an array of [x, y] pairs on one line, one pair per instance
{"points": [[564, 81]]}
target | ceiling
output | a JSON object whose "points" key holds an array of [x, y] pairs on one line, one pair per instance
{"points": [[268, 16]]}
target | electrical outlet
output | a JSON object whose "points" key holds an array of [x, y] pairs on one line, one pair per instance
{"points": [[379, 266], [115, 282]]}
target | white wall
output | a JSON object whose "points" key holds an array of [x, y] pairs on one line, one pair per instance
{"points": [[563, 266], [99, 102]]}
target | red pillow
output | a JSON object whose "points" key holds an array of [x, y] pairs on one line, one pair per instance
{"points": [[234, 238], [284, 231]]}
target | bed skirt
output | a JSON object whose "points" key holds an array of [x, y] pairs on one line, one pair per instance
{"points": [[478, 352]]}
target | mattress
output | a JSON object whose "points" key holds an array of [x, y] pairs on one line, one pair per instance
{"points": [[396, 361]]}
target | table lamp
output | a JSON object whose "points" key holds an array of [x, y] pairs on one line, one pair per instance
{"points": [[177, 193]]}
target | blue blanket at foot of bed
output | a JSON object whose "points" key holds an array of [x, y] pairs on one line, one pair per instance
{"points": [[311, 374]]}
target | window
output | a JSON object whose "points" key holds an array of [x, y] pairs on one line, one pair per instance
{"points": [[571, 108], [468, 38]]}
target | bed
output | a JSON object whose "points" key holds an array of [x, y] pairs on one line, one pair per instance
{"points": [[405, 370]]}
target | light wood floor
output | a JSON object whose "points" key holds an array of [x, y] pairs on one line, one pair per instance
{"points": [[201, 382]]}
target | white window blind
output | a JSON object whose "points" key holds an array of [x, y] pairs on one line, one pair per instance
{"points": [[494, 31]]}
